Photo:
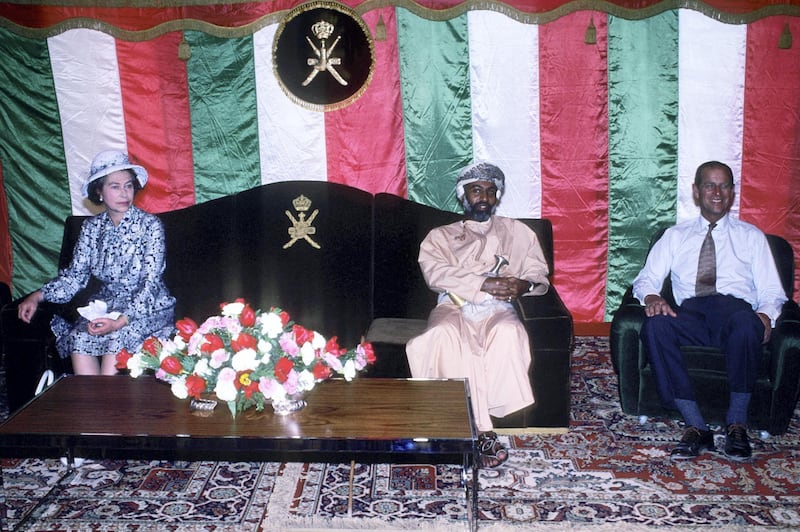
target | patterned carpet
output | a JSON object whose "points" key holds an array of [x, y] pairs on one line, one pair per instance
{"points": [[607, 472]]}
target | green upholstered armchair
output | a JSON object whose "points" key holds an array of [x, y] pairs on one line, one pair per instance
{"points": [[778, 381]]}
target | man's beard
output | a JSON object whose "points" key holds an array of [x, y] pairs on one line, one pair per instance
{"points": [[478, 216]]}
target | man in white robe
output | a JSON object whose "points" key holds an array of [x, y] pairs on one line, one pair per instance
{"points": [[479, 265]]}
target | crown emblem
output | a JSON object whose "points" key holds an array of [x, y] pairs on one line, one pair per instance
{"points": [[301, 203], [322, 30]]}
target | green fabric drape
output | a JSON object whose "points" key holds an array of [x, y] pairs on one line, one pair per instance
{"points": [[222, 99], [435, 86], [643, 140], [36, 226]]}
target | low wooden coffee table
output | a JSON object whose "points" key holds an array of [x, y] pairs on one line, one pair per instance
{"points": [[367, 420]]}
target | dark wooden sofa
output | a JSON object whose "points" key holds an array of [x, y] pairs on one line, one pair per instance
{"points": [[335, 257]]}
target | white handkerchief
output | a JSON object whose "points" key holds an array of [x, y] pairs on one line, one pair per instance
{"points": [[97, 309]]}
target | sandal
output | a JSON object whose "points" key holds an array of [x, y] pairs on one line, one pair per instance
{"points": [[492, 452]]}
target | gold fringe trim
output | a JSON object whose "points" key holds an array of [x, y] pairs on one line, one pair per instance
{"points": [[365, 7], [144, 35]]}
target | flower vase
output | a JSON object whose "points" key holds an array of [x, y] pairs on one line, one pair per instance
{"points": [[289, 404], [202, 407]]}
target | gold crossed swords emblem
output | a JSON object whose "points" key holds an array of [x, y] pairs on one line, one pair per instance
{"points": [[323, 60], [301, 228]]}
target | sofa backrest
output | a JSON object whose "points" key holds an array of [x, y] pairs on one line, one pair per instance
{"points": [[322, 276], [241, 246], [330, 278], [399, 289]]}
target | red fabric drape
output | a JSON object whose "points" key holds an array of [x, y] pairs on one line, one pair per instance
{"points": [[769, 196], [581, 116], [370, 131], [157, 115]]}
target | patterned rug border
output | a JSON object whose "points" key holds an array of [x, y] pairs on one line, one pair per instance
{"points": [[606, 473]]}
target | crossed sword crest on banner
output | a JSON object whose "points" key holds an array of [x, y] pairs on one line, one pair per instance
{"points": [[323, 62]]}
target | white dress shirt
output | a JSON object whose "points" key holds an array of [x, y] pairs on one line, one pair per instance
{"points": [[745, 265]]}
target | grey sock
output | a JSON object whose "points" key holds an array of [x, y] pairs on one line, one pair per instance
{"points": [[737, 409], [691, 413]]}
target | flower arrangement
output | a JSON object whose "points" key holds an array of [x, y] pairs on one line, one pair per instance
{"points": [[247, 358]]}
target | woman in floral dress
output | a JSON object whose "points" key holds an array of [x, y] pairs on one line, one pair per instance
{"points": [[123, 247]]}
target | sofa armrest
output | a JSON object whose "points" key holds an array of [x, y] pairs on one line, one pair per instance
{"points": [[627, 353], [785, 366], [547, 320], [14, 328], [28, 350]]}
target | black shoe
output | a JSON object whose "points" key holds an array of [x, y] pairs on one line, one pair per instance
{"points": [[737, 444], [694, 442]]}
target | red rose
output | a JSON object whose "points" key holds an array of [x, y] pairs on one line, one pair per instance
{"points": [[333, 348], [284, 318], [171, 365], [122, 359], [248, 316], [244, 341], [152, 345], [283, 367], [302, 335], [195, 386], [321, 371], [369, 352], [186, 328], [212, 343]]}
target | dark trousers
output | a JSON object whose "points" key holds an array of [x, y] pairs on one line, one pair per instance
{"points": [[724, 322]]}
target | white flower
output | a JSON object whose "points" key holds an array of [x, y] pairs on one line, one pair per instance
{"points": [[179, 342], [271, 324], [349, 370], [136, 366], [225, 389], [202, 369], [232, 310], [306, 381], [179, 389], [319, 341], [264, 347], [307, 353], [244, 359]]}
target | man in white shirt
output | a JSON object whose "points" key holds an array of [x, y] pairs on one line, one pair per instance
{"points": [[732, 304]]}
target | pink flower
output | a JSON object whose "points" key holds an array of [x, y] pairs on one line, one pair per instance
{"points": [[288, 344], [269, 387], [333, 361], [218, 358]]}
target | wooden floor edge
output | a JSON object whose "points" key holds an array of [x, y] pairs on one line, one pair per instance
{"points": [[532, 430], [592, 329]]}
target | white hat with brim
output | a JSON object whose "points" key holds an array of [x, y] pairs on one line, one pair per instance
{"points": [[110, 161]]}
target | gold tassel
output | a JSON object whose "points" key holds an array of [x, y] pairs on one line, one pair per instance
{"points": [[590, 37], [184, 52], [380, 29], [785, 42]]}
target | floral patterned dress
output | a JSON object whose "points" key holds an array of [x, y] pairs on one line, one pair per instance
{"points": [[128, 259]]}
